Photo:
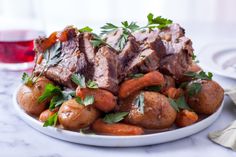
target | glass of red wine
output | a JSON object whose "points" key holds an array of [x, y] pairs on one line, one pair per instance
{"points": [[17, 48], [18, 29]]}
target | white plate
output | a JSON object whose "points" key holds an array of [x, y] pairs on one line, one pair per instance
{"points": [[116, 141], [219, 58]]}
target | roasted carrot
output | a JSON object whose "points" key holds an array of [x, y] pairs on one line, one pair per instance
{"points": [[49, 41], [173, 93], [103, 100], [185, 118], [118, 129], [150, 79]]}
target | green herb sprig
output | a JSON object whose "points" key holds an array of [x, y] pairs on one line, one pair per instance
{"points": [[201, 75], [88, 100], [51, 121], [179, 103], [114, 117]]}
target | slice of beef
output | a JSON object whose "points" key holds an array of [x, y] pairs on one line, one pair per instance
{"points": [[176, 64], [172, 32], [152, 40], [129, 51], [146, 61], [179, 51], [74, 59], [87, 47], [106, 64]]}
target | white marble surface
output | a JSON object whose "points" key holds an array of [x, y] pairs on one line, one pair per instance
{"points": [[18, 139]]}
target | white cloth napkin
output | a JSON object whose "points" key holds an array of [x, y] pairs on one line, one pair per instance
{"points": [[227, 136]]}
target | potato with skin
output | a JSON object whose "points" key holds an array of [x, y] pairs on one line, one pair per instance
{"points": [[74, 116], [158, 113], [209, 98], [46, 114], [27, 96]]}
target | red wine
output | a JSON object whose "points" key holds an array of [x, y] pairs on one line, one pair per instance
{"points": [[16, 46]]}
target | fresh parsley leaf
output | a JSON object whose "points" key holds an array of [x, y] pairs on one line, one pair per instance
{"points": [[88, 100], [182, 103], [79, 80], [26, 79], [92, 84], [59, 99], [157, 22], [153, 88], [122, 41], [114, 117], [173, 104], [201, 75], [178, 104], [132, 27], [85, 29], [53, 55], [50, 90], [51, 121], [97, 41], [108, 28], [139, 103], [194, 88]]}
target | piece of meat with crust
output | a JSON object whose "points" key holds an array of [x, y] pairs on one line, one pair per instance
{"points": [[146, 61], [74, 59], [152, 40], [105, 73], [129, 51]]}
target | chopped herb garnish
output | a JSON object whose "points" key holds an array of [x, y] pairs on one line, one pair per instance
{"points": [[108, 28], [92, 84], [114, 117], [194, 88], [79, 80], [85, 29], [179, 103], [50, 90], [56, 95], [201, 75], [26, 79], [53, 55], [139, 103], [157, 22], [59, 99], [88, 100], [97, 41], [51, 121]]}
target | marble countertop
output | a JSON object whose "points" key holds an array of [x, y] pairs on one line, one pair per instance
{"points": [[19, 139]]}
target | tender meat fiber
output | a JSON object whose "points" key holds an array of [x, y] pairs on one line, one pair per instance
{"points": [[146, 61], [172, 33], [73, 61], [105, 73], [126, 54], [151, 40]]}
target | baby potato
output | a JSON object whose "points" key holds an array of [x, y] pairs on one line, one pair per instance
{"points": [[158, 113], [209, 98], [27, 96], [74, 116], [46, 114]]}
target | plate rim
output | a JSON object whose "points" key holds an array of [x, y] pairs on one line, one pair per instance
{"points": [[35, 124]]}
